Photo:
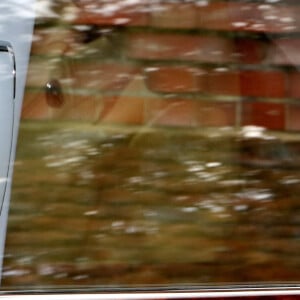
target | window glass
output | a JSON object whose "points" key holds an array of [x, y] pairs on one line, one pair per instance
{"points": [[158, 145]]}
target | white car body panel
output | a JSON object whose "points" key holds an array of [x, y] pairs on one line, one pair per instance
{"points": [[16, 26]]}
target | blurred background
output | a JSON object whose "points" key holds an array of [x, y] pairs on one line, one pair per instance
{"points": [[159, 145]]}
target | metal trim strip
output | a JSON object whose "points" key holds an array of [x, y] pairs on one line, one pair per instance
{"points": [[7, 47], [155, 295]]}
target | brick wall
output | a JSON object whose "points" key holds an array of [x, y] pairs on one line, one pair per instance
{"points": [[182, 63]]}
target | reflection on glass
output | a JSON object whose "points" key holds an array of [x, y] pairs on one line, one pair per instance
{"points": [[163, 147], [7, 88]]}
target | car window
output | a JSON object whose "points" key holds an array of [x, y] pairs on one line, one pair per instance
{"points": [[158, 148]]}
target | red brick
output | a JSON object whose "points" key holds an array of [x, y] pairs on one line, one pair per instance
{"points": [[268, 115], [52, 41], [251, 51], [284, 51], [174, 15], [79, 108], [263, 17], [246, 16], [107, 105], [125, 110], [129, 106], [220, 15], [215, 16], [95, 75], [254, 17], [34, 106], [292, 117], [263, 84], [294, 85], [115, 13], [213, 113], [208, 49], [224, 82], [41, 110], [228, 16], [75, 107], [279, 18], [171, 112], [174, 79], [247, 83]]}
